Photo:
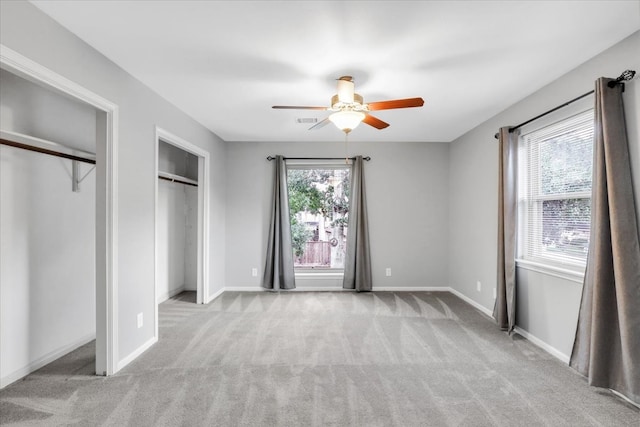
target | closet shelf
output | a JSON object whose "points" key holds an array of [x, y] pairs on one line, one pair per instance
{"points": [[26, 142], [177, 178]]}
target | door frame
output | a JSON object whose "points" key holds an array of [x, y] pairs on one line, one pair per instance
{"points": [[106, 198], [202, 262]]}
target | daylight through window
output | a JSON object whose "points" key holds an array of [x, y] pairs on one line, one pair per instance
{"points": [[319, 211], [555, 170]]}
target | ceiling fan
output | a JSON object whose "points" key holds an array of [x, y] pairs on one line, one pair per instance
{"points": [[349, 108]]}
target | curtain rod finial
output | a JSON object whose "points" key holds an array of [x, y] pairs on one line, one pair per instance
{"points": [[626, 76]]}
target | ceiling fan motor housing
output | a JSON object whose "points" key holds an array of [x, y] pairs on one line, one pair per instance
{"points": [[357, 103]]}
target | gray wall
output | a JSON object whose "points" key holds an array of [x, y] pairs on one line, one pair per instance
{"points": [[47, 255], [28, 31], [33, 110], [547, 305], [407, 196]]}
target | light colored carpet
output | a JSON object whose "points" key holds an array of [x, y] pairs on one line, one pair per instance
{"points": [[316, 359]]}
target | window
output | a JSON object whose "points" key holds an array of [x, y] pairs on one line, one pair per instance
{"points": [[554, 192], [319, 210]]}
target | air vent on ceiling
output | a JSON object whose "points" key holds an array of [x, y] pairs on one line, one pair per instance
{"points": [[306, 120]]}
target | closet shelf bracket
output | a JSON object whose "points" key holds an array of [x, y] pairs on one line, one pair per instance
{"points": [[30, 143]]}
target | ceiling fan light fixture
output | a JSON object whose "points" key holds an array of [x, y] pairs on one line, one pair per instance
{"points": [[346, 121]]}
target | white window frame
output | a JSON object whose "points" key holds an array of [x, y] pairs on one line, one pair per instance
{"points": [[294, 164], [571, 270]]}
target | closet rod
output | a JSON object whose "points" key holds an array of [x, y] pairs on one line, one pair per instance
{"points": [[46, 151], [177, 180]]}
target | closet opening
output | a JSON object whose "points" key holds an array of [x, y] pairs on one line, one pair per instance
{"points": [[182, 220], [52, 223]]}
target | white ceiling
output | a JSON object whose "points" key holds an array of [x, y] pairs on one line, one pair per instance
{"points": [[225, 63]]}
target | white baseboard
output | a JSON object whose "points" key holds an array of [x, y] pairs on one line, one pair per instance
{"points": [[625, 398], [543, 345], [532, 338], [44, 360], [216, 295], [131, 357], [469, 301], [170, 294]]}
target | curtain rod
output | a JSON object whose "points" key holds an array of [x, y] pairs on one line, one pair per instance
{"points": [[319, 158], [625, 76], [46, 151]]}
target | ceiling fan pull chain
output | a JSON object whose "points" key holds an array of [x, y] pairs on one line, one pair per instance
{"points": [[346, 148]]}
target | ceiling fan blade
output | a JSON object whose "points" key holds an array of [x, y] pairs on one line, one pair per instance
{"points": [[320, 124], [375, 122], [396, 103], [296, 107]]}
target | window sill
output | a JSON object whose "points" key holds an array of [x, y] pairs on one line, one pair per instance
{"points": [[571, 274]]}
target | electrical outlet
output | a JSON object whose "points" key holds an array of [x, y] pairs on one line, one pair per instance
{"points": [[140, 320], [479, 285], [495, 295], [254, 272], [388, 271]]}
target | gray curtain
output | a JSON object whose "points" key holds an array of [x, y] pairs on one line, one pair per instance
{"points": [[357, 268], [607, 345], [278, 269], [504, 310]]}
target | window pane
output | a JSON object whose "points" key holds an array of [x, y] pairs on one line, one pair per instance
{"points": [[318, 206], [565, 162], [565, 228]]}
